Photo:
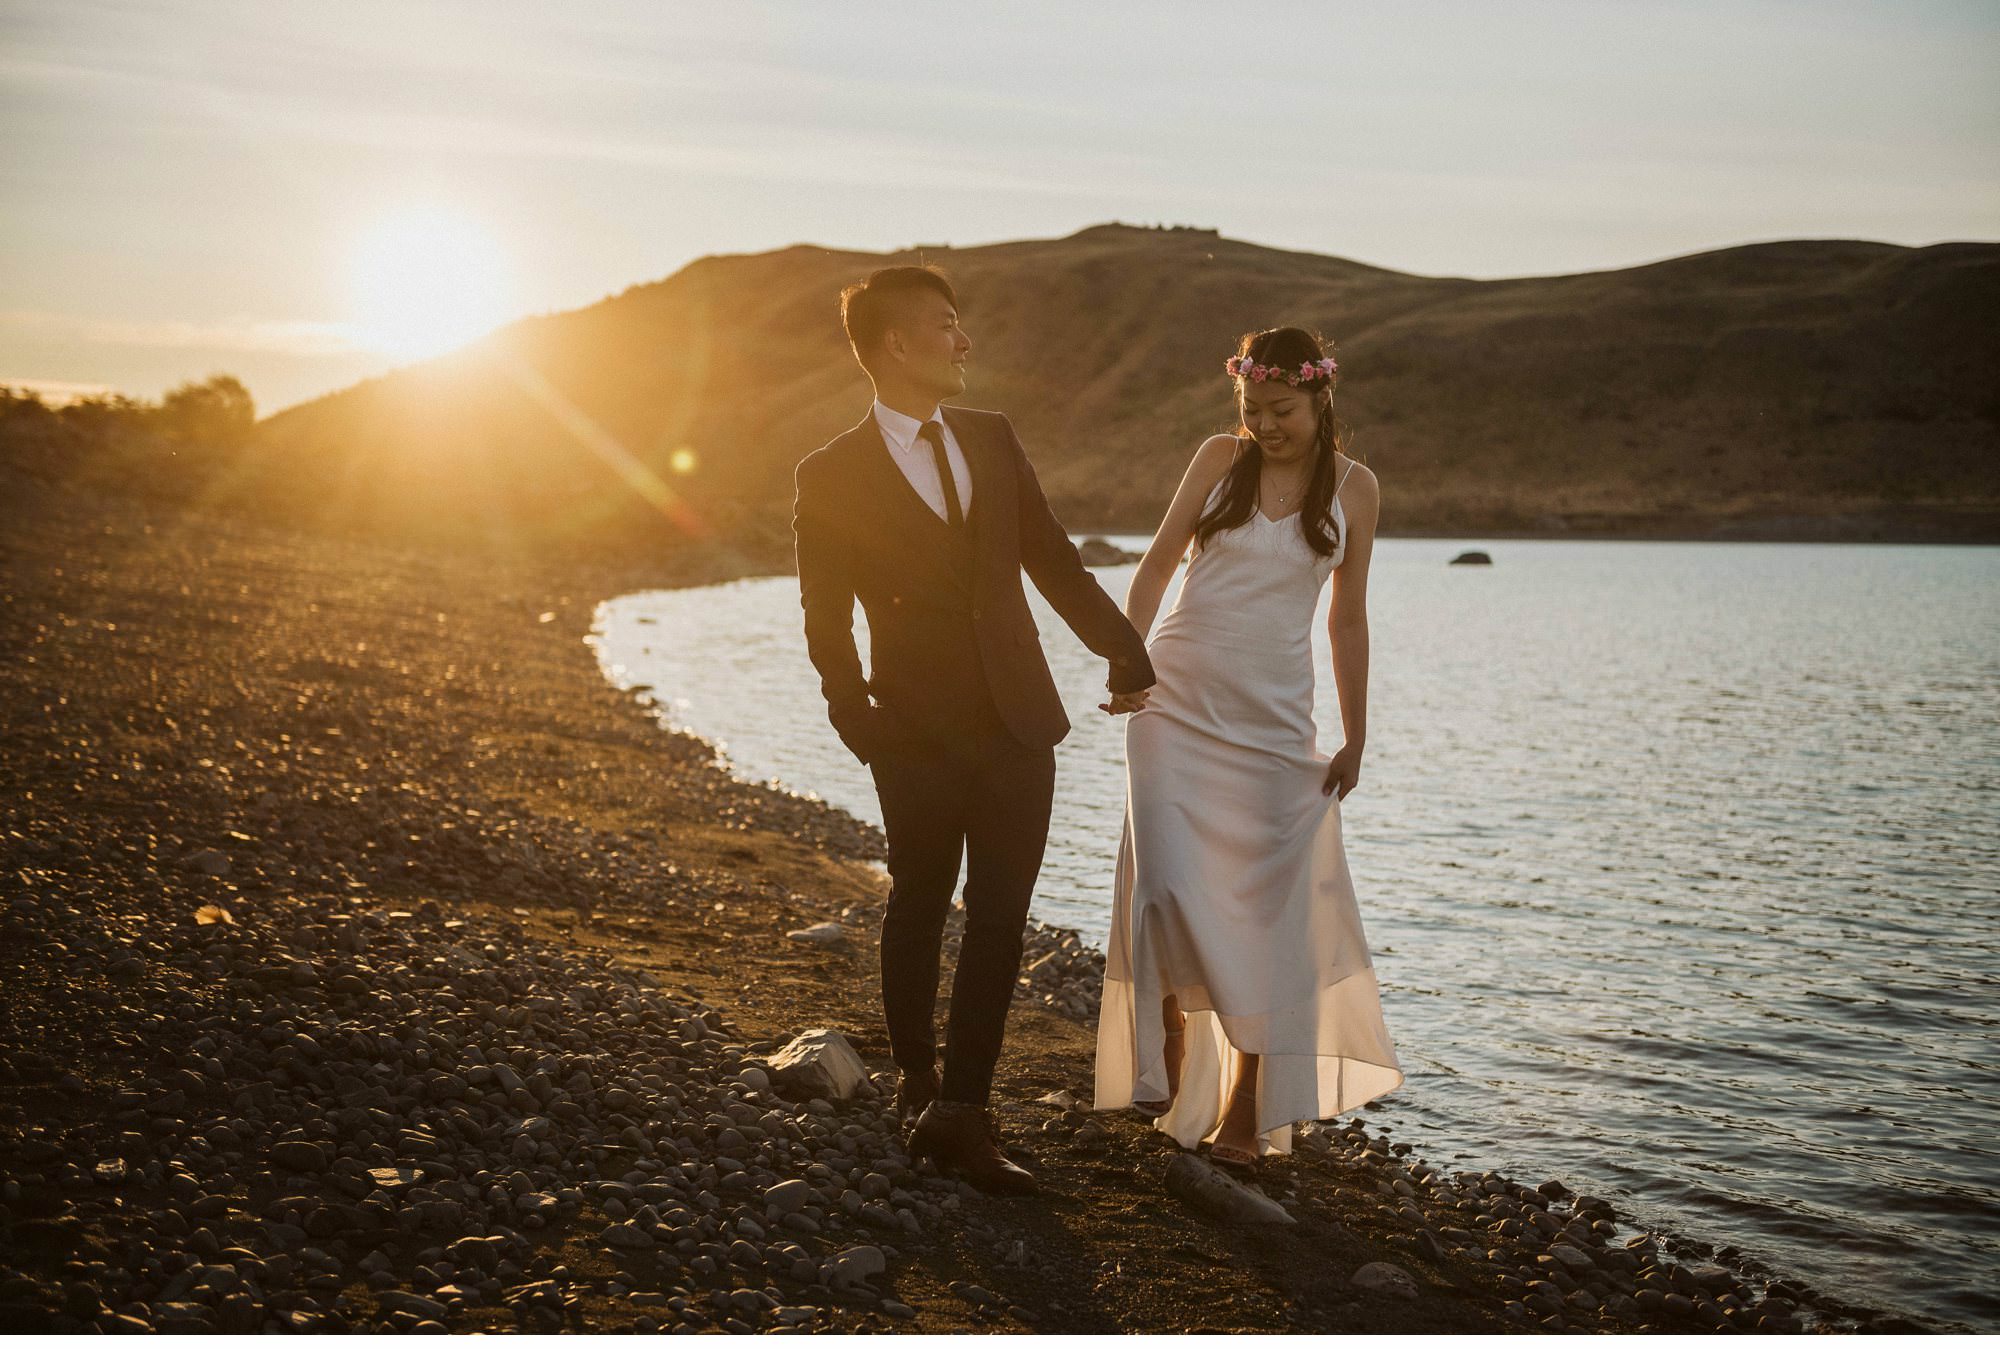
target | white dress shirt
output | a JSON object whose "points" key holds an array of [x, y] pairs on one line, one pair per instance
{"points": [[912, 454]]}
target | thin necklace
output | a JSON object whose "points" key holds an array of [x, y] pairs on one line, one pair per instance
{"points": [[1284, 497]]}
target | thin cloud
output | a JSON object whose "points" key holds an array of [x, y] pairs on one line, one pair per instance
{"points": [[57, 392], [289, 337]]}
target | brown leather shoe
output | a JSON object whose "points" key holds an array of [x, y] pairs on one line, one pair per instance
{"points": [[914, 1092], [959, 1137]]}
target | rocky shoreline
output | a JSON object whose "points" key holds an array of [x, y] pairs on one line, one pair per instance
{"points": [[369, 965]]}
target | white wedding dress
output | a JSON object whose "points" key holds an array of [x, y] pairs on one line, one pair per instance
{"points": [[1232, 890]]}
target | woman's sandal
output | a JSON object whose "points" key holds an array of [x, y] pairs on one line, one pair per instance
{"points": [[1155, 1109], [1233, 1159], [1227, 1155]]}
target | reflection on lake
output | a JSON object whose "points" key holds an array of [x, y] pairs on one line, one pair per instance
{"points": [[1679, 861]]}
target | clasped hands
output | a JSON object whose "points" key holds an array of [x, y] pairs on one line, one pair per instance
{"points": [[1122, 703]]}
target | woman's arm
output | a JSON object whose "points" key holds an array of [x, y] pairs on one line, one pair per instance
{"points": [[1170, 541], [1347, 624]]}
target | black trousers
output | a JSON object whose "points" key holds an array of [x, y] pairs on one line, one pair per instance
{"points": [[985, 798]]}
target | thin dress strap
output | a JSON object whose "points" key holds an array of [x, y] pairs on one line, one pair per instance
{"points": [[1341, 535]]}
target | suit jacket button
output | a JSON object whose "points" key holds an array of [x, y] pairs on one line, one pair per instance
{"points": [[975, 613]]}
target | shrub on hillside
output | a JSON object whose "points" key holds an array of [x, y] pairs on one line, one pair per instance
{"points": [[170, 449]]}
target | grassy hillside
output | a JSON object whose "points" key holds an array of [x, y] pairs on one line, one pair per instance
{"points": [[1799, 389]]}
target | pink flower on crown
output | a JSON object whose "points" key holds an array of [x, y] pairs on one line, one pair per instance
{"points": [[1244, 368]]}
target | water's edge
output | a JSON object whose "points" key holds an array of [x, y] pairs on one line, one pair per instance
{"points": [[1069, 976]]}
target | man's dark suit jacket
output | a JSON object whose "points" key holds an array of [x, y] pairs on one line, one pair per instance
{"points": [[948, 621]]}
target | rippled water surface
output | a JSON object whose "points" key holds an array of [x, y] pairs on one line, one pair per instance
{"points": [[1679, 862]]}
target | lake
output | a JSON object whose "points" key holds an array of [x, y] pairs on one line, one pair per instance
{"points": [[1680, 863]]}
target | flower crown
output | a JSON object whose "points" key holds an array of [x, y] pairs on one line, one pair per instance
{"points": [[1242, 367]]}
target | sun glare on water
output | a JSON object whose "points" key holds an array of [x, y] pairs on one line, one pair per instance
{"points": [[425, 281]]}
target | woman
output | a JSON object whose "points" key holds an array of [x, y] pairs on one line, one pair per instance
{"points": [[1239, 996]]}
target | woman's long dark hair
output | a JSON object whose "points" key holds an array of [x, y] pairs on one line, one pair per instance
{"points": [[1287, 348]]}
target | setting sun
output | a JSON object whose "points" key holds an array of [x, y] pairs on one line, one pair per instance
{"points": [[424, 281]]}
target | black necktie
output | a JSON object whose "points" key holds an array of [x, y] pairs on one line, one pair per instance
{"points": [[931, 431]]}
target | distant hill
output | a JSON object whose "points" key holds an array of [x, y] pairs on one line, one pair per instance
{"points": [[1814, 388]]}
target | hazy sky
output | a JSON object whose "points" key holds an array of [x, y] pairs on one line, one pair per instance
{"points": [[193, 186]]}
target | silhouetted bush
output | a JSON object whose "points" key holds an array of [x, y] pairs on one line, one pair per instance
{"points": [[172, 449], [216, 414]]}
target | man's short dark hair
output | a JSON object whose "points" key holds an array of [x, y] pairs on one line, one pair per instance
{"points": [[870, 307]]}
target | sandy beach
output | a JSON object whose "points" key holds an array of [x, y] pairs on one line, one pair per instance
{"points": [[370, 964]]}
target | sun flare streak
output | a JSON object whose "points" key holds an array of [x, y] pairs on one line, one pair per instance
{"points": [[641, 479]]}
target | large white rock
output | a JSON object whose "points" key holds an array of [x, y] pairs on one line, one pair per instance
{"points": [[1204, 1187], [819, 1063]]}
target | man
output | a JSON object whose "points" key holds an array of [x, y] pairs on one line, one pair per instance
{"points": [[928, 514]]}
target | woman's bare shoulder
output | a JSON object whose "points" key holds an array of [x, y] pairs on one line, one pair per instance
{"points": [[1360, 497], [1213, 457], [1358, 478]]}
